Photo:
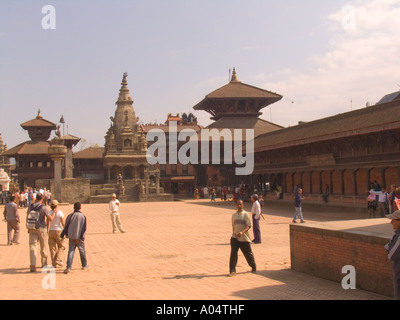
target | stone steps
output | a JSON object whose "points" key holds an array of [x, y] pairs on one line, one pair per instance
{"points": [[102, 193], [100, 199]]}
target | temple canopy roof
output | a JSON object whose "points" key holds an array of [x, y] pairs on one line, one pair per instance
{"points": [[237, 99], [39, 129], [29, 148], [39, 121]]}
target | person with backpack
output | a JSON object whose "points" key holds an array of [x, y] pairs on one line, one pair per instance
{"points": [[36, 222]]}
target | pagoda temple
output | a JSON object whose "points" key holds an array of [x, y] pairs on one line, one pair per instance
{"points": [[31, 157], [235, 105]]}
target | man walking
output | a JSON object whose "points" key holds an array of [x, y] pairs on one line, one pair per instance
{"points": [[75, 229], [39, 235], [240, 239], [256, 214], [298, 200], [11, 215], [393, 250], [115, 215]]}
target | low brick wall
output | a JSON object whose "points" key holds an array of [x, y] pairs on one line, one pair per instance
{"points": [[323, 251]]}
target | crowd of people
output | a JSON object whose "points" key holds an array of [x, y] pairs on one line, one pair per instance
{"points": [[225, 193], [382, 201], [48, 227], [24, 198]]}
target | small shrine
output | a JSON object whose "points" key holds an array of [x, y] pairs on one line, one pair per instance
{"points": [[4, 184]]}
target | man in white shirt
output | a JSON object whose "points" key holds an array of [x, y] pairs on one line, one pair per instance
{"points": [[256, 214], [114, 213], [54, 228], [382, 201], [205, 192]]}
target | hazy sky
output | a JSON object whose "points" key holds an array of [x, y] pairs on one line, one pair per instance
{"points": [[324, 57]]}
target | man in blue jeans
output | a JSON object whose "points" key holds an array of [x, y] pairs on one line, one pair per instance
{"points": [[75, 229]]}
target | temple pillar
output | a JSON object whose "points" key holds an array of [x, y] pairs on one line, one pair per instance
{"points": [[69, 142], [108, 174], [68, 164], [146, 180], [57, 152], [158, 182]]}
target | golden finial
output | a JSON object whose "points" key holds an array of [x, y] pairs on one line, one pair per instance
{"points": [[39, 116], [234, 76]]}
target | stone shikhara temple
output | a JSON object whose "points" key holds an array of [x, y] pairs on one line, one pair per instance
{"points": [[125, 154]]}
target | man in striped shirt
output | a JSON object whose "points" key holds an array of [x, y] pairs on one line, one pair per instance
{"points": [[241, 224], [393, 249]]}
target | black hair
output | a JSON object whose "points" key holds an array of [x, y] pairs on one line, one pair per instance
{"points": [[77, 206]]}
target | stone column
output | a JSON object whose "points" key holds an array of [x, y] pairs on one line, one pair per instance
{"points": [[146, 179], [57, 152], [355, 182], [108, 174], [157, 183], [69, 141], [69, 167], [342, 186]]}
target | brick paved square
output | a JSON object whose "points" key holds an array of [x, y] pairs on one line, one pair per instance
{"points": [[171, 251]]}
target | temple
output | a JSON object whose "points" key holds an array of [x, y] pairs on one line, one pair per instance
{"points": [[125, 153], [235, 105], [31, 157]]}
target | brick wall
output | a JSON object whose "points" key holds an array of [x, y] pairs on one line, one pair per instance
{"points": [[323, 253]]}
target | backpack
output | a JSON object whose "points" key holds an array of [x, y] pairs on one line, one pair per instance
{"points": [[32, 220]]}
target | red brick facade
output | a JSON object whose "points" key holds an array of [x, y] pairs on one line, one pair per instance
{"points": [[344, 153], [323, 253]]}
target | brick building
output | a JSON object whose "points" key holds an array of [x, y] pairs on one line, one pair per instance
{"points": [[176, 178], [344, 152]]}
